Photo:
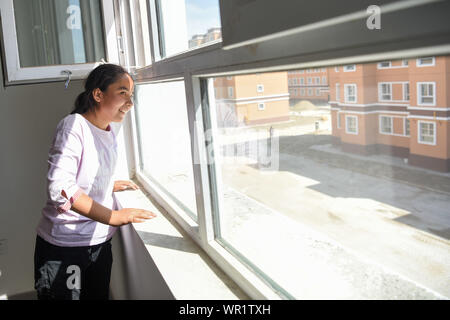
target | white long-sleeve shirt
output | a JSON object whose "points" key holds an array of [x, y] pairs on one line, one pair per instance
{"points": [[82, 158]]}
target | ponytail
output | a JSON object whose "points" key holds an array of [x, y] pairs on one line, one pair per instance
{"points": [[101, 77], [83, 103]]}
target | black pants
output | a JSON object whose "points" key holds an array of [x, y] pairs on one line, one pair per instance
{"points": [[72, 273]]}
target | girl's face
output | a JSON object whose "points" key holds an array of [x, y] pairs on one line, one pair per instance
{"points": [[116, 101]]}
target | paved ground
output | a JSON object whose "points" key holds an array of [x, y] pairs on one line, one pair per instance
{"points": [[371, 230]]}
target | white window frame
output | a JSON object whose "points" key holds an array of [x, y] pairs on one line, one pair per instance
{"points": [[406, 93], [420, 64], [350, 68], [419, 93], [338, 91], [380, 91], [347, 117], [346, 96], [380, 124], [419, 123], [380, 66], [406, 120], [230, 93], [17, 75], [259, 88], [261, 106]]}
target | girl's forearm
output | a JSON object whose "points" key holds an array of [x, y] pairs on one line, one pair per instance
{"points": [[87, 207]]}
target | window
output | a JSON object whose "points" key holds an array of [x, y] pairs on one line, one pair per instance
{"points": [[385, 91], [426, 93], [351, 124], [161, 110], [318, 93], [425, 62], [316, 80], [261, 106], [294, 81], [197, 24], [324, 80], [338, 92], [310, 91], [301, 71], [386, 125], [309, 80], [350, 93], [230, 92], [266, 180], [229, 78], [384, 64], [406, 91], [260, 88], [54, 37], [302, 91], [302, 81], [427, 132], [336, 69], [405, 63], [350, 67], [407, 130], [338, 122]]}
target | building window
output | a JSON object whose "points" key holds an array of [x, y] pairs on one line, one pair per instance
{"points": [[385, 91], [351, 124], [310, 91], [318, 92], [336, 69], [407, 130], [43, 39], [316, 80], [229, 78], [261, 106], [405, 63], [425, 62], [426, 93], [324, 80], [427, 132], [302, 91], [260, 87], [230, 92], [309, 80], [350, 92], [338, 122], [338, 92], [406, 91], [350, 67], [302, 80], [386, 125], [384, 64]]}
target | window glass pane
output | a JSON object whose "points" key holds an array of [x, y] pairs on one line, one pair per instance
{"points": [[165, 146], [53, 32], [187, 24], [325, 212]]}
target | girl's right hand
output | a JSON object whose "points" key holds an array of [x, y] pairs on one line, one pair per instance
{"points": [[129, 215]]}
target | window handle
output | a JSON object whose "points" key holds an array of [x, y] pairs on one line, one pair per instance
{"points": [[69, 75]]}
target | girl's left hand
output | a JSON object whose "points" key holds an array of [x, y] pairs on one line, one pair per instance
{"points": [[122, 185]]}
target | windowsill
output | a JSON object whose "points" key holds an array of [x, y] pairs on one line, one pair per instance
{"points": [[186, 268]]}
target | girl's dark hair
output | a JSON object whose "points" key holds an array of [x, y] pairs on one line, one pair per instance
{"points": [[101, 77]]}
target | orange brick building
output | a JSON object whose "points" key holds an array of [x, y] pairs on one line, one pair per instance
{"points": [[309, 84], [401, 108], [252, 99]]}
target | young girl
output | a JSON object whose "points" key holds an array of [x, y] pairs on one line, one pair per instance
{"points": [[73, 256]]}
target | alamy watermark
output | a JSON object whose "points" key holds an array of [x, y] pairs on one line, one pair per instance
{"points": [[374, 20]]}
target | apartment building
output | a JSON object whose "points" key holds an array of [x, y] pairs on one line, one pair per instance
{"points": [[399, 108], [309, 84], [252, 99], [199, 39]]}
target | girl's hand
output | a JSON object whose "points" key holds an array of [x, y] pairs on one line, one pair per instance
{"points": [[122, 185], [129, 215]]}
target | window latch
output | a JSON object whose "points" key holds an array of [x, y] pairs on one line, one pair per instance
{"points": [[69, 75]]}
